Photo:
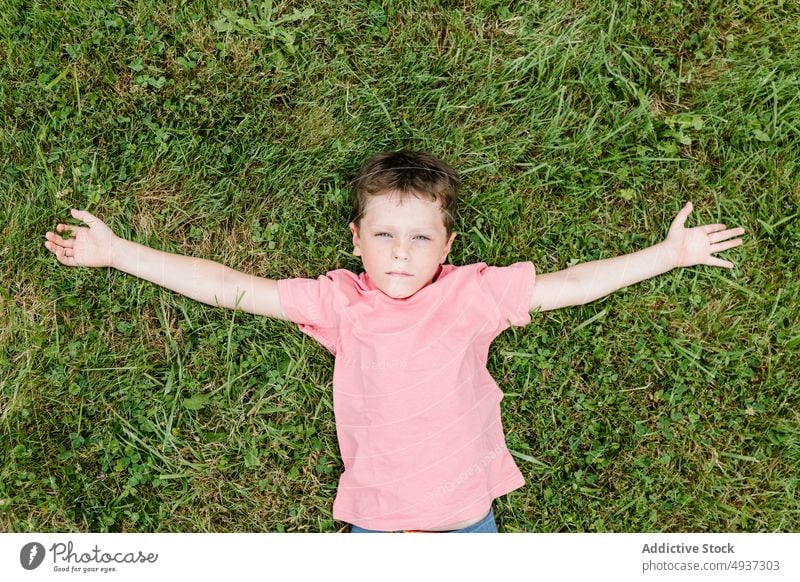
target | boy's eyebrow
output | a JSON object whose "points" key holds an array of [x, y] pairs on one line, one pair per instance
{"points": [[387, 227]]}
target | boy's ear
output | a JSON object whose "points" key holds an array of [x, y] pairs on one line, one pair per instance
{"points": [[356, 246], [447, 248]]}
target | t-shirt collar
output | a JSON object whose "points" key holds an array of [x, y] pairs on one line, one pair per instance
{"points": [[370, 286]]}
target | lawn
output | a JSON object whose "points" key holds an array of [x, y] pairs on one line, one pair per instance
{"points": [[229, 131]]}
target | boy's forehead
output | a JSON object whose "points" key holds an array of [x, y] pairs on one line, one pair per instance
{"points": [[385, 210]]}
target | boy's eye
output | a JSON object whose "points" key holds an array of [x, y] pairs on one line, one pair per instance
{"points": [[422, 236]]}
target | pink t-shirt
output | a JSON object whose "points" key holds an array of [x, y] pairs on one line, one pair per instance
{"points": [[417, 413]]}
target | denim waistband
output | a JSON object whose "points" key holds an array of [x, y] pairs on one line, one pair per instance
{"points": [[485, 525]]}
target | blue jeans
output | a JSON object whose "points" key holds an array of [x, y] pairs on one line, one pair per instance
{"points": [[486, 525]]}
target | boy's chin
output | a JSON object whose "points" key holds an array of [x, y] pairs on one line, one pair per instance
{"points": [[395, 294], [399, 292]]}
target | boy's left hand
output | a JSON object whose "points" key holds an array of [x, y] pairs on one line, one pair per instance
{"points": [[694, 246]]}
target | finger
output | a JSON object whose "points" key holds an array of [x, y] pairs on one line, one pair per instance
{"points": [[730, 232], [709, 228], [83, 216], [722, 246], [60, 253], [67, 228], [54, 238], [715, 262]]}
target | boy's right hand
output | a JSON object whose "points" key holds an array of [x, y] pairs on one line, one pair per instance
{"points": [[87, 247]]}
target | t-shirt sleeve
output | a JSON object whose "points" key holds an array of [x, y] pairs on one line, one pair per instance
{"points": [[311, 304], [510, 289]]}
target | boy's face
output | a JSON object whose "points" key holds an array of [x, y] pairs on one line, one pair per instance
{"points": [[401, 236]]}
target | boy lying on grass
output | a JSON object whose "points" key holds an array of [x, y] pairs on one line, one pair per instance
{"points": [[417, 413]]}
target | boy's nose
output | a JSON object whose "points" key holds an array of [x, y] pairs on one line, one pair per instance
{"points": [[400, 251]]}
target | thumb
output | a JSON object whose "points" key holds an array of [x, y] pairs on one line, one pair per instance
{"points": [[83, 216], [682, 215]]}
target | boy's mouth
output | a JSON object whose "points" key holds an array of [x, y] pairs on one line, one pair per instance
{"points": [[399, 274]]}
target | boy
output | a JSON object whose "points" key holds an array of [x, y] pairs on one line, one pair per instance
{"points": [[417, 413]]}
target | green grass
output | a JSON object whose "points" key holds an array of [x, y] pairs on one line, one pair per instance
{"points": [[580, 129]]}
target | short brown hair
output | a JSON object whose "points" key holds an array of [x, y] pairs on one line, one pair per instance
{"points": [[418, 174]]}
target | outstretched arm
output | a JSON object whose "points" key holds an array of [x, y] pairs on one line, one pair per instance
{"points": [[683, 247], [199, 279]]}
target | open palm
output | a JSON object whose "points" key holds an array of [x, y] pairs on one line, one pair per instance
{"points": [[88, 247], [694, 246]]}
